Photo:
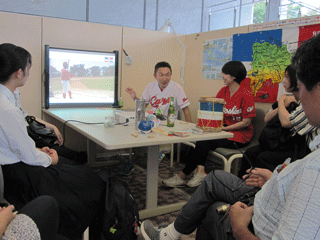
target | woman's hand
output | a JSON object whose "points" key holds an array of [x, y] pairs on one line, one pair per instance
{"points": [[6, 216], [54, 156], [52, 153], [131, 93], [55, 130], [287, 99], [258, 177], [58, 134], [238, 126]]}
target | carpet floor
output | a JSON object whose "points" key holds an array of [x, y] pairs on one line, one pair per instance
{"points": [[137, 184]]}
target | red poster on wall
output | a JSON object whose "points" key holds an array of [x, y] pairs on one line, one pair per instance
{"points": [[306, 32]]}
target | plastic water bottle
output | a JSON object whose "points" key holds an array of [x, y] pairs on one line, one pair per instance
{"points": [[159, 112], [140, 106], [150, 116]]}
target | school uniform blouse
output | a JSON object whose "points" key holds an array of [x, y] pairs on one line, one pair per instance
{"points": [[15, 143]]}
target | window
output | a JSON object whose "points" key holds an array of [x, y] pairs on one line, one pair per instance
{"points": [[295, 9], [228, 14]]}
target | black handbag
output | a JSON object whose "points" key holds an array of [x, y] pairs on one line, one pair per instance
{"points": [[274, 136], [43, 136]]}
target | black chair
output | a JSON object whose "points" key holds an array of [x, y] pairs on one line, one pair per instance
{"points": [[229, 155]]}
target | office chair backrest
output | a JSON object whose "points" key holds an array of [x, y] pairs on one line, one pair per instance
{"points": [[258, 124]]}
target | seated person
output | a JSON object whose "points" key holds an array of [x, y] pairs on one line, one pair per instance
{"points": [[158, 93], [286, 205], [39, 219], [238, 113], [77, 157], [29, 172], [277, 143]]}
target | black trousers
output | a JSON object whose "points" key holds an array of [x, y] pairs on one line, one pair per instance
{"points": [[263, 158], [199, 154], [44, 211], [79, 191]]}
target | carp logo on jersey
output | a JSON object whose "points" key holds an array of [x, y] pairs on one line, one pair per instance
{"points": [[155, 101], [232, 111], [250, 109]]}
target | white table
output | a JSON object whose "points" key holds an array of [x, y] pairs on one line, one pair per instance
{"points": [[119, 137]]}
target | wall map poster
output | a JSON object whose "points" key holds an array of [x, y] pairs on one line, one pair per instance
{"points": [[268, 58], [266, 54], [215, 54]]}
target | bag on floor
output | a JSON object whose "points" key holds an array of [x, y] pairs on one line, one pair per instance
{"points": [[121, 215]]}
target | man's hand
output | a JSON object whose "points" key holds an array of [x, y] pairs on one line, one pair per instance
{"points": [[131, 93], [240, 217], [258, 177]]}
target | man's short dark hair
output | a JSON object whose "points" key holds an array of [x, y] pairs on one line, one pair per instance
{"points": [[307, 62], [235, 69], [162, 65]]}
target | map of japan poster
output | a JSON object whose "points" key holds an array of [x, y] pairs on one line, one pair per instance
{"points": [[265, 57]]}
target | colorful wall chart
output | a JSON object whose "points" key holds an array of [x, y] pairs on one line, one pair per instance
{"points": [[268, 58], [266, 54], [215, 54]]}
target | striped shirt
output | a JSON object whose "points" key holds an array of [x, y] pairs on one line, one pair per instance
{"points": [[301, 124]]}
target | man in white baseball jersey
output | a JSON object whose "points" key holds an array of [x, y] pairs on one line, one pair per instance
{"points": [[156, 93], [160, 91]]}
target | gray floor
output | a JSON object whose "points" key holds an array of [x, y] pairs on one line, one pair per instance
{"points": [[137, 185]]}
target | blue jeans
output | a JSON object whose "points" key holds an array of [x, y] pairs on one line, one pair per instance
{"points": [[201, 208]]}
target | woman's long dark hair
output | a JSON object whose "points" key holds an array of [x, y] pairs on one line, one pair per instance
{"points": [[293, 78], [12, 58]]}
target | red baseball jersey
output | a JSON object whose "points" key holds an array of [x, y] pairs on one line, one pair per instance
{"points": [[239, 106], [65, 75]]}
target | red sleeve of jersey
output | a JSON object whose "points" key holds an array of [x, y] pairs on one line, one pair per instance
{"points": [[248, 106]]}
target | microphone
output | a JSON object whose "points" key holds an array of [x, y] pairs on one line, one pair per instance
{"points": [[245, 156]]}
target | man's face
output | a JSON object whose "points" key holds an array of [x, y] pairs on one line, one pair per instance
{"points": [[163, 76], [311, 103]]}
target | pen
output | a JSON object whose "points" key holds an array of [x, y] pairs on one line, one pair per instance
{"points": [[124, 52]]}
